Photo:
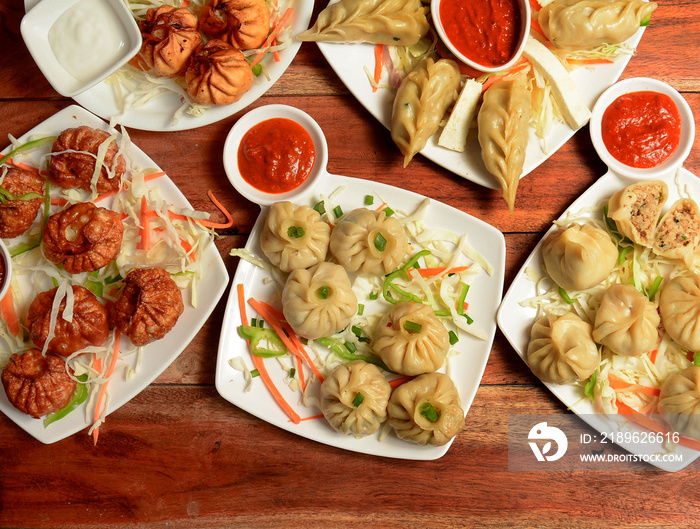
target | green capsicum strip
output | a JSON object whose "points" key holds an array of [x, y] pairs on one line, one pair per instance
{"points": [[258, 335], [344, 352], [655, 286], [27, 147], [5, 196], [79, 396], [403, 274]]}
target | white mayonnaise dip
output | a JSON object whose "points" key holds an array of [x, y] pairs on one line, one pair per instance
{"points": [[88, 38]]}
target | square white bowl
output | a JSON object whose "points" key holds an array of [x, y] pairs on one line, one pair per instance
{"points": [[79, 43]]}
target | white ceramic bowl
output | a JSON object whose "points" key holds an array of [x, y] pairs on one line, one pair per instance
{"points": [[99, 37], [252, 118], [7, 260], [526, 13], [637, 84]]}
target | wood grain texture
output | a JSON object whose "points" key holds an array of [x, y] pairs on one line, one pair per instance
{"points": [[179, 456]]}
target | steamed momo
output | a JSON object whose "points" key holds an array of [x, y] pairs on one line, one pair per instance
{"points": [[636, 210], [411, 340], [318, 301], [562, 349], [678, 233], [579, 257], [393, 22], [294, 236], [679, 305], [368, 242], [426, 410], [354, 398], [679, 401], [626, 321], [587, 24]]}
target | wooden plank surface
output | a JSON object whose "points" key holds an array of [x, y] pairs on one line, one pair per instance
{"points": [[179, 455]]}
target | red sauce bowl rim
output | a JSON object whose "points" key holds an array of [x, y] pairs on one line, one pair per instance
{"points": [[526, 12], [252, 118], [639, 84], [7, 260]]}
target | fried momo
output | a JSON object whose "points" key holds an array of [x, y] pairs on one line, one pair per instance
{"points": [[411, 340], [503, 124], [626, 321], [148, 307], [169, 36], [36, 384], [426, 410], [368, 242], [587, 24], [421, 101], [561, 349], [679, 401], [294, 236], [392, 22], [318, 301], [579, 257], [678, 233], [679, 306], [636, 210], [88, 326], [354, 398], [218, 74], [244, 24], [18, 214]]}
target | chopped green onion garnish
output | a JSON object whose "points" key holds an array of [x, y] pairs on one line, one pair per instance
{"points": [[338, 212], [388, 211], [360, 309], [323, 292], [380, 242], [320, 207], [356, 330], [428, 411], [373, 295], [292, 372], [412, 326], [359, 399], [453, 337], [462, 297], [350, 347], [565, 296], [296, 232], [468, 318], [255, 373], [369, 200]]}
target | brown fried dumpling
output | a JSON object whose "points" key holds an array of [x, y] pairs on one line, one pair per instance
{"points": [[244, 24], [149, 306], [89, 325], [70, 169], [83, 237], [17, 216], [36, 384], [218, 74], [170, 36]]}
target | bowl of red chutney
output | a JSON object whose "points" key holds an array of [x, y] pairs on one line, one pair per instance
{"points": [[642, 128], [488, 35], [5, 270], [275, 153]]}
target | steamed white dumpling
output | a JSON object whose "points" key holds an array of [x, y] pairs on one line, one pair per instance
{"points": [[636, 210], [579, 257], [679, 306], [318, 301], [562, 349], [679, 401], [626, 321], [677, 235], [368, 242], [294, 236], [411, 340], [426, 410], [354, 398]]}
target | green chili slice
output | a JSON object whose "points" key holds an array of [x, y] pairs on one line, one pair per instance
{"points": [[565, 296], [257, 336], [402, 273]]}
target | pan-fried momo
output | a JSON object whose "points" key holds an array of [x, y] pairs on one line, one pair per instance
{"points": [[636, 210], [626, 321], [368, 242], [318, 301], [294, 236], [679, 306], [503, 123], [561, 349], [411, 340], [354, 398], [587, 24], [678, 233], [426, 410], [579, 257], [679, 401], [393, 22], [421, 101]]}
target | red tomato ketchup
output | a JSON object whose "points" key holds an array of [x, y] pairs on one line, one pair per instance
{"points": [[641, 129], [486, 31], [276, 155]]}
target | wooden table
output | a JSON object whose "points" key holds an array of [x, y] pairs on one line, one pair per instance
{"points": [[179, 455]]}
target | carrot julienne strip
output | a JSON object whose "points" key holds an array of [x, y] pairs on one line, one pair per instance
{"points": [[398, 381], [103, 387], [517, 67], [273, 35], [260, 365], [319, 416], [378, 54], [620, 385], [9, 314], [145, 228], [430, 272], [591, 61], [649, 424]]}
